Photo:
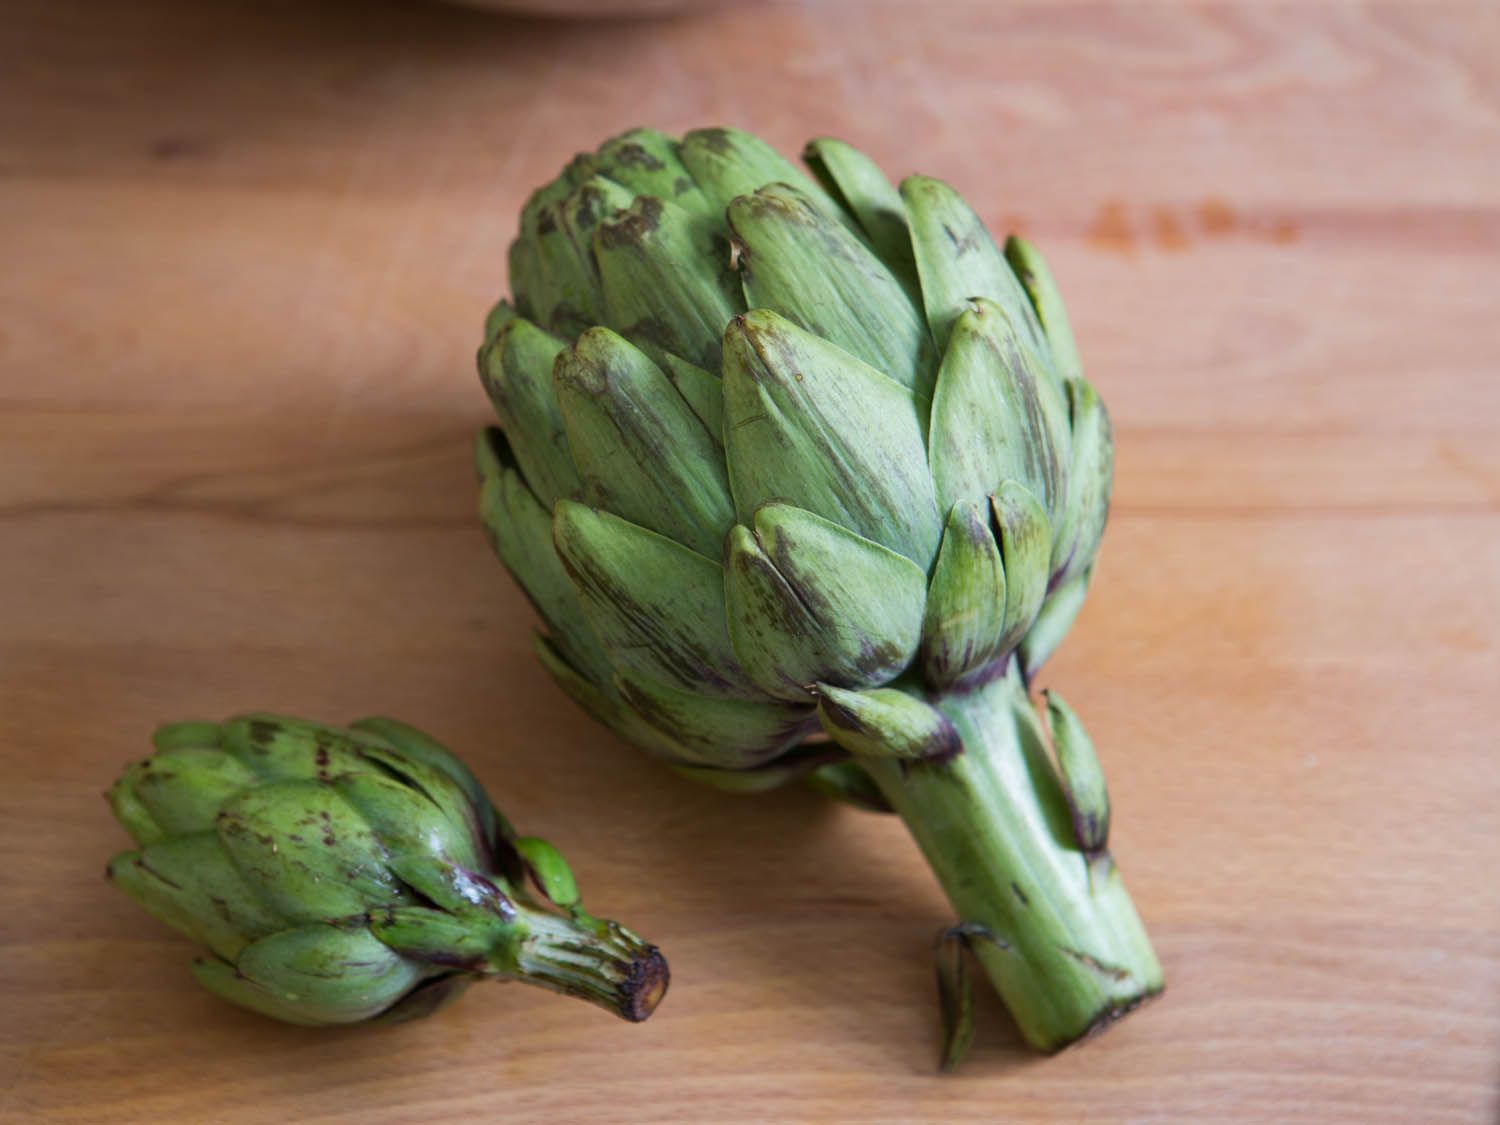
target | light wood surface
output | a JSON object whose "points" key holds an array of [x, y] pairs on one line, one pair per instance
{"points": [[247, 249]]}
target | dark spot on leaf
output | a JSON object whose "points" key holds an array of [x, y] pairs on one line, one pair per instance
{"points": [[632, 226], [632, 155], [715, 140]]}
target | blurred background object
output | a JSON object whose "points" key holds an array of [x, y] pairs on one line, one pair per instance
{"points": [[587, 9]]}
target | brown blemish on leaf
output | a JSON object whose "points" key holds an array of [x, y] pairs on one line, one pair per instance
{"points": [[633, 155], [632, 226], [715, 140]]}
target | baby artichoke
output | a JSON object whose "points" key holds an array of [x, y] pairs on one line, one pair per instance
{"points": [[339, 875], [804, 479]]}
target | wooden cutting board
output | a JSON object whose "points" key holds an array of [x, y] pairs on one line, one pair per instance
{"points": [[247, 250]]}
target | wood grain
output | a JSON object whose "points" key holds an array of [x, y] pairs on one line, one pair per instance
{"points": [[247, 250]]}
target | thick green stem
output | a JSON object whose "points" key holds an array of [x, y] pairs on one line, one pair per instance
{"points": [[1064, 946], [593, 959]]}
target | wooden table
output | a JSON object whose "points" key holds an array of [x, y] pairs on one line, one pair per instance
{"points": [[247, 248]]}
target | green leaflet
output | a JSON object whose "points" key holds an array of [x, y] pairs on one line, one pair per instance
{"points": [[1090, 481], [501, 313], [182, 788], [170, 736], [605, 706], [307, 853], [1026, 548], [332, 975], [190, 884], [549, 870], [727, 163], [796, 764], [806, 423], [406, 820], [646, 162], [810, 601], [565, 250], [702, 391], [516, 369], [278, 748], [1083, 778], [535, 295], [957, 261], [520, 531], [133, 816], [886, 723], [849, 783], [1036, 278], [418, 746], [713, 731], [996, 416], [1052, 623], [437, 784], [656, 606], [797, 261], [642, 451], [462, 892], [662, 291], [963, 626], [955, 997], [858, 184], [433, 936]]}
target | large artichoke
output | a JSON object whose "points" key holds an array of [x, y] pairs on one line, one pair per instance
{"points": [[780, 457], [339, 875]]}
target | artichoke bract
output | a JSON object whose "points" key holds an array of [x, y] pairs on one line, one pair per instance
{"points": [[804, 479], [337, 875]]}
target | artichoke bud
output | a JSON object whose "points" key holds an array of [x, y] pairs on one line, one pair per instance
{"points": [[662, 290], [1036, 278], [810, 601], [336, 875], [996, 416], [963, 626], [1083, 777], [887, 723], [642, 450], [806, 423], [1026, 547], [516, 369], [798, 262]]}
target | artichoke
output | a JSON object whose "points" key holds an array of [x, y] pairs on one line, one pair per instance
{"points": [[804, 479], [340, 875]]}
